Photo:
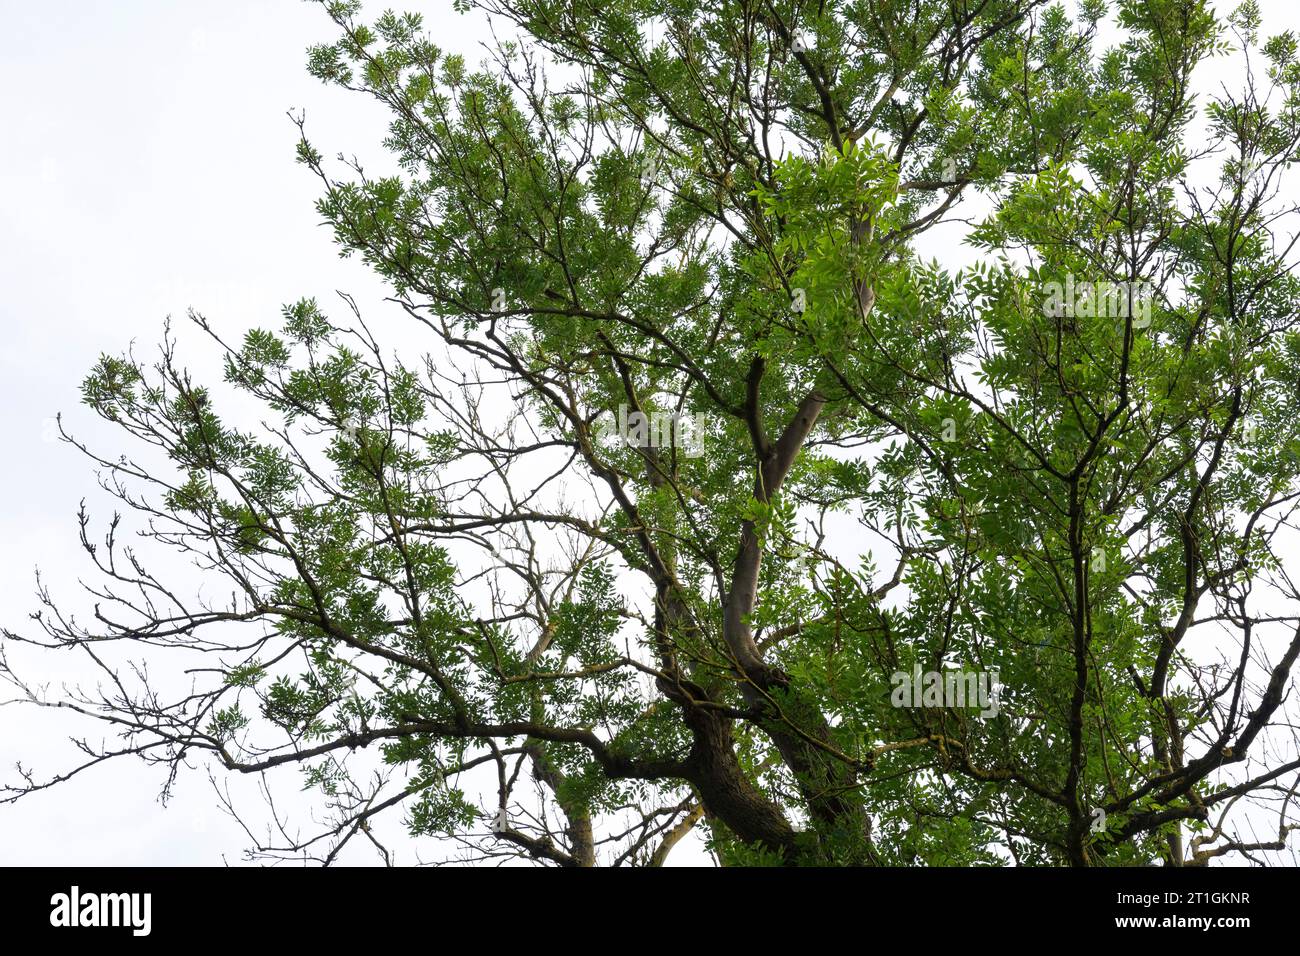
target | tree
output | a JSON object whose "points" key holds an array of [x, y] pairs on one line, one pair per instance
{"points": [[719, 488]]}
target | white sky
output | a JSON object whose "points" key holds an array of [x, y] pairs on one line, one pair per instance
{"points": [[146, 166]]}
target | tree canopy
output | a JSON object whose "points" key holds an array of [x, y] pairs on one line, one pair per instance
{"points": [[709, 446]]}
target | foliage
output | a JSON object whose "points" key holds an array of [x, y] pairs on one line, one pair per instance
{"points": [[719, 211]]}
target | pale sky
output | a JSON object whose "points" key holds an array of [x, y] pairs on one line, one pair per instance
{"points": [[147, 166]]}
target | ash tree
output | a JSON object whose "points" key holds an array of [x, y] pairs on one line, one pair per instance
{"points": [[684, 445]]}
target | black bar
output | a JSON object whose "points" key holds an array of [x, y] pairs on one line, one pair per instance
{"points": [[304, 905]]}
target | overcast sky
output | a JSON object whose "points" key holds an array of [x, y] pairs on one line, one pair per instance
{"points": [[146, 166]]}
